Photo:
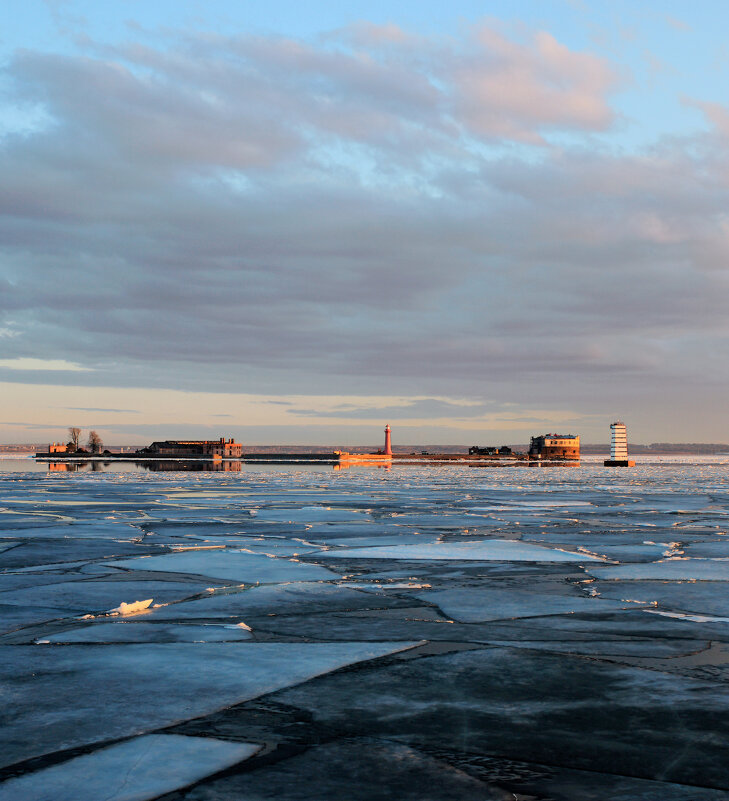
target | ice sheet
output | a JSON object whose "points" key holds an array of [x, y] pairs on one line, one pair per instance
{"points": [[16, 617], [675, 569], [151, 632], [130, 689], [427, 520], [403, 538], [702, 597], [718, 549], [110, 530], [54, 552], [136, 770], [311, 514], [95, 680], [485, 550], [97, 596], [292, 598], [230, 564], [324, 532], [473, 605]]}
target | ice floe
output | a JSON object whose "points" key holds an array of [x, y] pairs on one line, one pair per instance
{"points": [[311, 514], [82, 694], [674, 569], [92, 595], [484, 550], [699, 597], [136, 770], [151, 633], [291, 598], [474, 605], [231, 564]]}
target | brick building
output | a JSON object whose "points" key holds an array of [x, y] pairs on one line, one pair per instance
{"points": [[555, 446]]}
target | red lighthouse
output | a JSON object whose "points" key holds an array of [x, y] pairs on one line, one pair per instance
{"points": [[388, 446]]}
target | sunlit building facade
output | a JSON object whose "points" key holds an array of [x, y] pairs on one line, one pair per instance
{"points": [[555, 446]]}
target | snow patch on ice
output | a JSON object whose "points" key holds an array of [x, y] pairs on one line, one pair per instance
{"points": [[686, 616], [133, 608]]}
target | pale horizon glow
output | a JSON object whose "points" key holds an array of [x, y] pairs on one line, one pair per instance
{"points": [[42, 364]]}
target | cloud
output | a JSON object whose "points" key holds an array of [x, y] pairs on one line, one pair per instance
{"points": [[27, 363], [678, 24], [98, 409], [371, 209], [515, 91], [416, 409], [717, 114]]}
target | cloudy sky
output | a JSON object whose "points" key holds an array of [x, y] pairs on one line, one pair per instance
{"points": [[296, 222]]}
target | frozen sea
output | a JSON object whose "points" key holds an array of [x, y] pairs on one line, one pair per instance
{"points": [[423, 632]]}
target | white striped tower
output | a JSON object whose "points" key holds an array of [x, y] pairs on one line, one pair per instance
{"points": [[618, 441]]}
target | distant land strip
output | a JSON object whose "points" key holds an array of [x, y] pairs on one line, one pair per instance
{"points": [[687, 448]]}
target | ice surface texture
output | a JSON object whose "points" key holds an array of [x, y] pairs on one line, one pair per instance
{"points": [[486, 550], [88, 693], [425, 630], [683, 569], [252, 568], [151, 632], [135, 770], [472, 605]]}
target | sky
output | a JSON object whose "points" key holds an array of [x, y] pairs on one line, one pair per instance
{"points": [[295, 222]]}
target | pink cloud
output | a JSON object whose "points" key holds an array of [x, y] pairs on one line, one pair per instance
{"points": [[516, 91]]}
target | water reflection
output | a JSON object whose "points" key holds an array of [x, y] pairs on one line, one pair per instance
{"points": [[165, 465], [161, 466], [78, 467], [173, 465], [156, 466], [75, 467]]}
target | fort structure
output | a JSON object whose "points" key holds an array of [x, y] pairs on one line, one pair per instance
{"points": [[216, 448], [618, 446], [555, 446]]}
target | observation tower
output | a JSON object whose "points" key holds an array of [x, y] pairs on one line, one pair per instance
{"points": [[618, 446]]}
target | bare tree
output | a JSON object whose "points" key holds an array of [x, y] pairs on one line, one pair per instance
{"points": [[75, 436], [94, 444]]}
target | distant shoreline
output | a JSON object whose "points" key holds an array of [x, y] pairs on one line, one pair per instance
{"points": [[655, 449]]}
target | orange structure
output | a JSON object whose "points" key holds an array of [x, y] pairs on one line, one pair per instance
{"points": [[369, 458], [57, 447]]}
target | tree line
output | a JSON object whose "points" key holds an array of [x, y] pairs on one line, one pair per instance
{"points": [[93, 444]]}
